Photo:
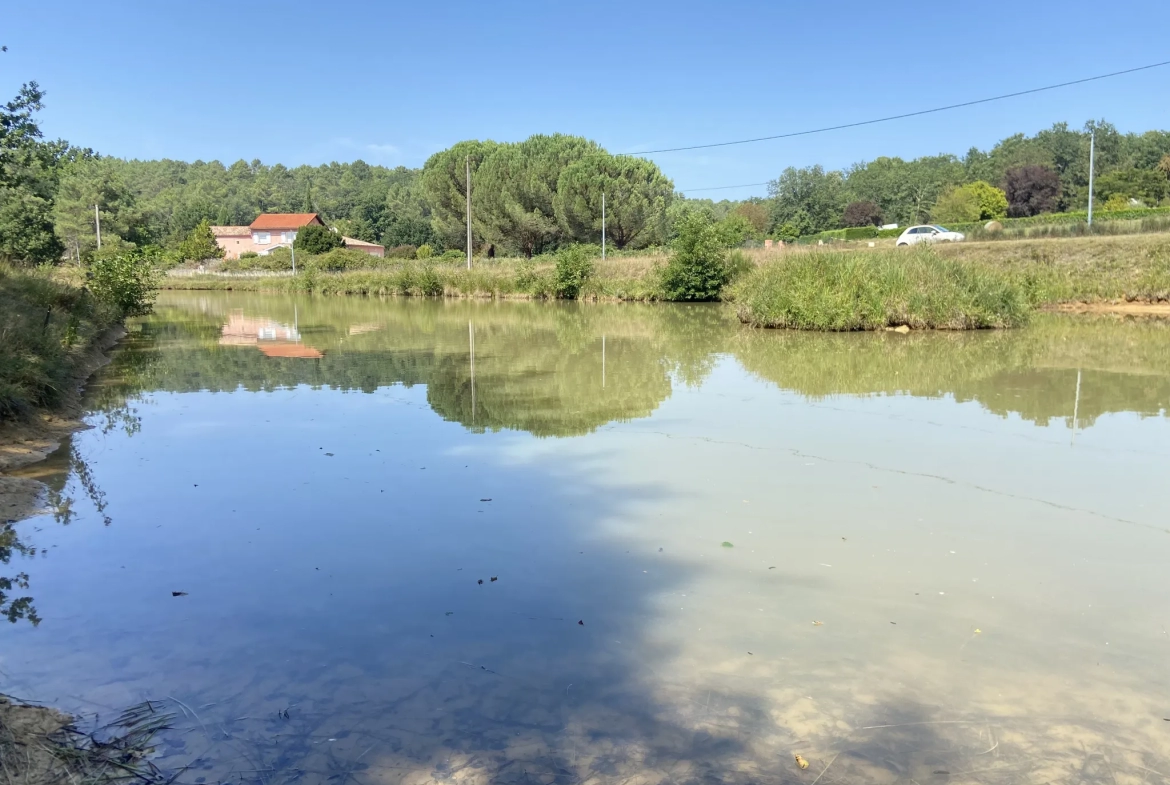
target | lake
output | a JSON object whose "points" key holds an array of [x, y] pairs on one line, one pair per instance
{"points": [[456, 541]]}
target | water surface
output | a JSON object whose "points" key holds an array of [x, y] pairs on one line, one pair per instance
{"points": [[926, 558]]}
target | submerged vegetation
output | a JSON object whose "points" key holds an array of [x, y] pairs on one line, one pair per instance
{"points": [[40, 746]]}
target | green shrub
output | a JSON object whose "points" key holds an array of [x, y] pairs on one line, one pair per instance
{"points": [[401, 252], [697, 269], [861, 233], [453, 255], [317, 239], [340, 260], [574, 266], [827, 290], [249, 255], [126, 281], [424, 251]]}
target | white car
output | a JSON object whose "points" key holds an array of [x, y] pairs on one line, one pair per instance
{"points": [[930, 233]]}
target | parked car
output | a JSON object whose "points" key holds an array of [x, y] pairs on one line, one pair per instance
{"points": [[930, 233]]}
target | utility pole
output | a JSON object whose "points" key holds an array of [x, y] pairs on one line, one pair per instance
{"points": [[97, 222], [471, 346], [294, 257], [1092, 150], [467, 163], [603, 229]]}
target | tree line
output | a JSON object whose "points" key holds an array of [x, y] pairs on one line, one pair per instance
{"points": [[533, 196], [1019, 176]]}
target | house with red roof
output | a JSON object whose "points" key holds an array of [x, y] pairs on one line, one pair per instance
{"points": [[276, 230]]}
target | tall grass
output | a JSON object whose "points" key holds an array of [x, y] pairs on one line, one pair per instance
{"points": [[828, 290], [45, 327]]}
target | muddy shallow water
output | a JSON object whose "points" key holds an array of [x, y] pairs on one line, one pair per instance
{"points": [[703, 550]]}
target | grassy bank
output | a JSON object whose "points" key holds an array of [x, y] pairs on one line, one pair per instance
{"points": [[827, 290], [960, 286], [632, 278], [47, 326]]}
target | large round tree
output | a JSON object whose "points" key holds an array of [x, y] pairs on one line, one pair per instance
{"points": [[636, 197]]}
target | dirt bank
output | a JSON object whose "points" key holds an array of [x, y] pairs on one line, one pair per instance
{"points": [[33, 439]]}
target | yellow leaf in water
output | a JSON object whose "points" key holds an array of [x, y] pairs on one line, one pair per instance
{"points": [[977, 630], [817, 623], [801, 762]]}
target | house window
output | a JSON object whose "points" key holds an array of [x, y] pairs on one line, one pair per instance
{"points": [[288, 237], [262, 238]]}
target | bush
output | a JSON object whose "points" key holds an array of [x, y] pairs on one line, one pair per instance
{"points": [[126, 281], [1116, 203], [340, 260], [574, 266], [249, 255], [697, 269], [317, 239], [424, 251], [401, 252], [861, 233], [453, 255]]}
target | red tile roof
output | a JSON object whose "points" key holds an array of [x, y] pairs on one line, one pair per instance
{"points": [[269, 221], [355, 243]]}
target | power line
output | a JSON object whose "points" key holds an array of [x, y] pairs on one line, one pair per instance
{"points": [[907, 114]]}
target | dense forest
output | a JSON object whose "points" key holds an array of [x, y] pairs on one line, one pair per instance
{"points": [[539, 194]]}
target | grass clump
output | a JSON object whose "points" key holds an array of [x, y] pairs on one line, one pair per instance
{"points": [[827, 290]]}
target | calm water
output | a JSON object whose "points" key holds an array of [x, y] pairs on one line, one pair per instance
{"points": [[920, 559]]}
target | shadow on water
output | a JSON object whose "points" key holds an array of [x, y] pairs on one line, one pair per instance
{"points": [[409, 671]]}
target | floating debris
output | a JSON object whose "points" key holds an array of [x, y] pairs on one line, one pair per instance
{"points": [[494, 579], [178, 594], [818, 623], [581, 622], [485, 500], [801, 762], [480, 581], [726, 544]]}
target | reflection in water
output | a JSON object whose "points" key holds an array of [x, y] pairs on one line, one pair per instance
{"points": [[540, 368], [987, 610]]}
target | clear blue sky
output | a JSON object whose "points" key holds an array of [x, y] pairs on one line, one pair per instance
{"points": [[392, 82]]}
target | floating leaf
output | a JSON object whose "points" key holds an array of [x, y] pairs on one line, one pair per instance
{"points": [[726, 544]]}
